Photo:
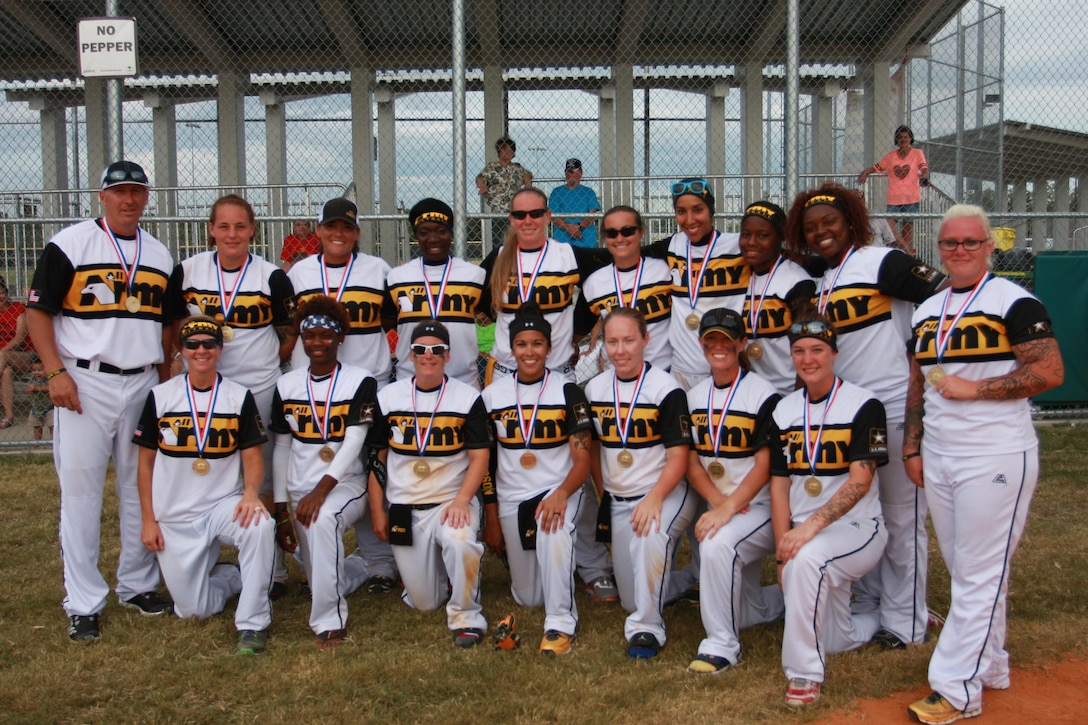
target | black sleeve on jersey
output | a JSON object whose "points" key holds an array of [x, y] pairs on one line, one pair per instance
{"points": [[577, 409], [761, 436], [277, 423], [779, 465], [486, 265], [674, 421], [658, 249], [815, 265], [52, 279], [584, 318], [477, 422], [1027, 320], [250, 429], [283, 294], [147, 427], [173, 306], [589, 260], [801, 294], [361, 410], [390, 312], [906, 278], [869, 434], [377, 437]]}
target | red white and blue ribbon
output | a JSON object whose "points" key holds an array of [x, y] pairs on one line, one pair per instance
{"points": [[200, 432], [824, 299], [343, 281], [435, 303], [753, 306], [525, 292], [695, 286], [322, 420], [226, 301], [130, 269], [624, 428], [716, 430], [421, 440], [527, 430], [634, 289], [812, 447], [944, 336]]}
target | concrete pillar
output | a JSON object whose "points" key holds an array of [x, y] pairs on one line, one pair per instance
{"points": [[275, 142], [1080, 224], [53, 124], [164, 123], [1061, 203], [623, 77], [606, 132], [232, 129], [362, 145], [751, 128], [387, 174], [1039, 203], [715, 131], [877, 133], [823, 129], [94, 94], [1019, 206]]}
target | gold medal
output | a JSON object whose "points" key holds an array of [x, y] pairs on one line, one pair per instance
{"points": [[755, 351], [132, 304], [421, 468], [624, 458], [935, 376], [528, 459], [716, 469], [201, 467], [228, 333], [327, 454], [692, 321], [813, 487]]}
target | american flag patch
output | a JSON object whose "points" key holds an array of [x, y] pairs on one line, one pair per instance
{"points": [[34, 296]]}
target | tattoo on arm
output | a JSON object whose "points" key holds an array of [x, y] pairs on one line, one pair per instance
{"points": [[843, 500], [913, 428], [580, 440], [1040, 368]]}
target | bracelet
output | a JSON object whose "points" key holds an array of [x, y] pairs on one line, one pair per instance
{"points": [[909, 456], [55, 373], [779, 562]]}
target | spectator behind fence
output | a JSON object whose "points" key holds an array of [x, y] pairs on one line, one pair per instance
{"points": [[573, 198], [907, 172], [16, 351], [498, 183], [303, 243]]}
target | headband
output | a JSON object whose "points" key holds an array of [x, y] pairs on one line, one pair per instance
{"points": [[323, 322]]}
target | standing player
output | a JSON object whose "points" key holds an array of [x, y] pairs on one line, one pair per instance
{"points": [[439, 287], [320, 416], [869, 294], [643, 436], [542, 449], [431, 432], [96, 313], [729, 467], [195, 432], [981, 349], [828, 439]]}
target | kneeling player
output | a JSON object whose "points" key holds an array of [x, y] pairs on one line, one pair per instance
{"points": [[320, 416], [430, 431], [195, 431]]}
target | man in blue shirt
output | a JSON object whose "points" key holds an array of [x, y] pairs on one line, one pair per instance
{"points": [[573, 198]]}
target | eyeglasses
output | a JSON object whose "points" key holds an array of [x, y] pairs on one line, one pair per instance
{"points": [[695, 186], [438, 349], [534, 213], [813, 327], [621, 232], [207, 344], [971, 245]]}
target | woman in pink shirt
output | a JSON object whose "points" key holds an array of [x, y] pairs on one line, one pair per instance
{"points": [[907, 172]]}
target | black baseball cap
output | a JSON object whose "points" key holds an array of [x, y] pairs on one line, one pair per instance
{"points": [[339, 209], [431, 328], [572, 164], [722, 320], [124, 172]]}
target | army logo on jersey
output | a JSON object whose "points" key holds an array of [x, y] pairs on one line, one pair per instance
{"points": [[925, 273], [878, 440], [581, 414]]}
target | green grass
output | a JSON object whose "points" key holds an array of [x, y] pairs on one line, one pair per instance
{"points": [[399, 664]]}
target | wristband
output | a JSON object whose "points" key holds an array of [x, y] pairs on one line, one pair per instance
{"points": [[909, 456], [55, 373], [779, 562]]}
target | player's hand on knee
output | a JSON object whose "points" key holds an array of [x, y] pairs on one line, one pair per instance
{"points": [[248, 510], [285, 530], [151, 536], [550, 511], [456, 515]]}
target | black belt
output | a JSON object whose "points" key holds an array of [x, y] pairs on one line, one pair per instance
{"points": [[111, 369], [626, 498], [422, 506]]}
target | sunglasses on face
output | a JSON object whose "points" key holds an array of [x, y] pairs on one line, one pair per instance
{"points": [[621, 232], [192, 344], [534, 213], [438, 349], [971, 245], [696, 186]]}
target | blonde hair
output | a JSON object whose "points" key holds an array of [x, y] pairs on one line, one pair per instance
{"points": [[969, 211], [504, 262]]}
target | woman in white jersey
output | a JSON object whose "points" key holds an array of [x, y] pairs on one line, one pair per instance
{"points": [[778, 288], [730, 467], [981, 349], [829, 438], [869, 293], [250, 298], [640, 454], [541, 429]]}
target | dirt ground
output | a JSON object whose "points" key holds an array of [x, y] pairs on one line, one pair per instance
{"points": [[1048, 694]]}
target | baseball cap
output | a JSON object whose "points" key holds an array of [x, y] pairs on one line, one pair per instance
{"points": [[573, 164], [431, 210], [431, 328], [722, 320], [339, 209], [124, 172]]}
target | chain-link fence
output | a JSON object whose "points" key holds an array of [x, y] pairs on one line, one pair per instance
{"points": [[296, 101]]}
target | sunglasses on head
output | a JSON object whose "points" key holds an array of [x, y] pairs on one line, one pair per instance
{"points": [[621, 232], [127, 174], [207, 344], [814, 327], [971, 245], [695, 186], [438, 349], [534, 213]]}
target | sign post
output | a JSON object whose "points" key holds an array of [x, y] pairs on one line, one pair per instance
{"points": [[107, 49]]}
